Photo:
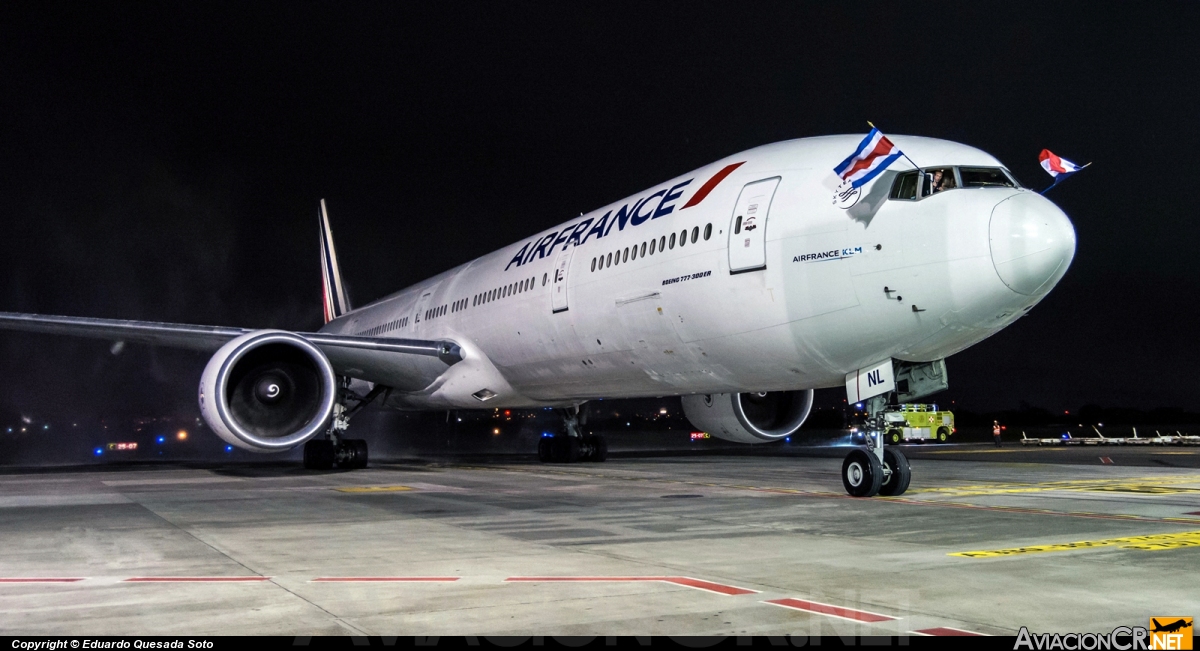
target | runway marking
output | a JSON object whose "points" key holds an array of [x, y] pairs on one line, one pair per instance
{"points": [[1153, 542], [944, 631], [168, 482], [197, 579], [830, 610], [685, 581], [373, 489], [384, 579], [1155, 485], [963, 491], [41, 580]]}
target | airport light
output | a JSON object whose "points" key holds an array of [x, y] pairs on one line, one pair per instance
{"points": [[98, 451], [496, 431], [229, 448], [45, 427], [162, 439], [181, 435]]}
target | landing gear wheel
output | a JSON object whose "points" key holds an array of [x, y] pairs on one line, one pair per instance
{"points": [[318, 454], [545, 449], [897, 482], [599, 448], [862, 473], [942, 434], [894, 436], [564, 449], [352, 454]]}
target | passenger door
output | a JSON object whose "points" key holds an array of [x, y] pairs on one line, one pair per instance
{"points": [[748, 228], [558, 289], [421, 305]]}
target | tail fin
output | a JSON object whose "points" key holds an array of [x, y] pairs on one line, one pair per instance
{"points": [[336, 302]]}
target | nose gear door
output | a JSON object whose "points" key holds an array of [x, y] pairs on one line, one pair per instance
{"points": [[748, 227]]}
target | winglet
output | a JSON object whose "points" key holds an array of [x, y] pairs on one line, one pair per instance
{"points": [[336, 303]]}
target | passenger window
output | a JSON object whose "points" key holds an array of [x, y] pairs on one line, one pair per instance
{"points": [[683, 237], [985, 177], [672, 245], [608, 262], [662, 243], [707, 231], [625, 255], [737, 226], [544, 277], [643, 249], [653, 243], [905, 186], [695, 234], [593, 264]]}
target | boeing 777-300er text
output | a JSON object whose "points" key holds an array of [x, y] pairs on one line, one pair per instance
{"points": [[740, 286]]}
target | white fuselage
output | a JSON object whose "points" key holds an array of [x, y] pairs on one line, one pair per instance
{"points": [[813, 291]]}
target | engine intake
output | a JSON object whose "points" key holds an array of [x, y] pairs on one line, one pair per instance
{"points": [[268, 391], [749, 417]]}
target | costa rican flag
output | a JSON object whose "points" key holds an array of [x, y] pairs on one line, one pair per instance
{"points": [[1055, 166], [873, 155]]}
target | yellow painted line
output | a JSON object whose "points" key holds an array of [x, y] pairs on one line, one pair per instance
{"points": [[1153, 542], [372, 489], [1153, 485], [1187, 453]]}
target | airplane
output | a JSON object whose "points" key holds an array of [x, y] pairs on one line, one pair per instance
{"points": [[1169, 628], [740, 286]]}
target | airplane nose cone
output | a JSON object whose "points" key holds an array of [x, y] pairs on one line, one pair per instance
{"points": [[1032, 243]]}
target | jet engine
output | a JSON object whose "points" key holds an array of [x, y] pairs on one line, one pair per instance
{"points": [[268, 391], [749, 417]]}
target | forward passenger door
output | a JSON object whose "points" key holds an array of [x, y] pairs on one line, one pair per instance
{"points": [[748, 227]]}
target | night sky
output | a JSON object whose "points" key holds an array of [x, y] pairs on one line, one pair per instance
{"points": [[163, 161]]}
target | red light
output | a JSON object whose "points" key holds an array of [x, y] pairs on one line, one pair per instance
{"points": [[507, 412], [1004, 427]]}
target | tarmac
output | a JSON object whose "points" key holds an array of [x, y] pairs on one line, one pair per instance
{"points": [[985, 541]]}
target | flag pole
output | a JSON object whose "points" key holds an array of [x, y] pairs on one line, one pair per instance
{"points": [[1063, 179], [914, 163]]}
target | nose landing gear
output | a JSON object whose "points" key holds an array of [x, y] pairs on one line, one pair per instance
{"points": [[871, 470]]}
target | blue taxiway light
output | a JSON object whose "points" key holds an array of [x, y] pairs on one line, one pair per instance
{"points": [[161, 439], [229, 448], [99, 451]]}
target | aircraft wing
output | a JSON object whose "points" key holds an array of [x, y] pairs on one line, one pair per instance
{"points": [[403, 364]]}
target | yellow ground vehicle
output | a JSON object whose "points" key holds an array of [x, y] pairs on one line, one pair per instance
{"points": [[911, 422]]}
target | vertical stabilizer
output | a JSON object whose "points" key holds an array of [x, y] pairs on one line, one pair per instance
{"points": [[336, 303]]}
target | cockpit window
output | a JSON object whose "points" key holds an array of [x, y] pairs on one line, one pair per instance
{"points": [[905, 186], [938, 180], [919, 184], [986, 177]]}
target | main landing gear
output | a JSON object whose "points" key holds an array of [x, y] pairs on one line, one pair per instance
{"points": [[573, 445], [347, 454], [872, 470]]}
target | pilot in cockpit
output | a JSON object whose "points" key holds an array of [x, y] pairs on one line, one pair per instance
{"points": [[938, 180]]}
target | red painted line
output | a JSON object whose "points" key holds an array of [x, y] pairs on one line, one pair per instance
{"points": [[1192, 513], [41, 580], [718, 588], [1106, 460], [710, 184], [196, 579], [945, 631], [384, 579], [684, 581], [832, 611]]}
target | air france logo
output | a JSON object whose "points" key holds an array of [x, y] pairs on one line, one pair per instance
{"points": [[658, 204], [835, 254]]}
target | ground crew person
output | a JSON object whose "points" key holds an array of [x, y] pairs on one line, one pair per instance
{"points": [[996, 432]]}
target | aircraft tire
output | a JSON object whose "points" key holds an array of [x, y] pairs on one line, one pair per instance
{"points": [[599, 449], [318, 454], [862, 474], [545, 449], [356, 454], [565, 449], [897, 483]]}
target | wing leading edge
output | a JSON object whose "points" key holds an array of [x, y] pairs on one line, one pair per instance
{"points": [[404, 364]]}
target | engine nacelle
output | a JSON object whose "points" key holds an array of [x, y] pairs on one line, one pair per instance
{"points": [[749, 417], [268, 391]]}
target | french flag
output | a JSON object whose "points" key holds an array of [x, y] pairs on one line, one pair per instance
{"points": [[1055, 165], [1060, 168], [873, 155]]}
